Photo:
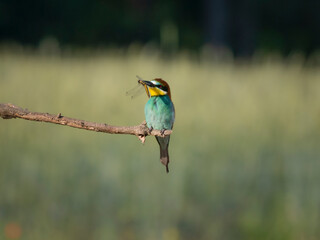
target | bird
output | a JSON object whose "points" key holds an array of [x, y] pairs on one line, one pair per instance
{"points": [[159, 113]]}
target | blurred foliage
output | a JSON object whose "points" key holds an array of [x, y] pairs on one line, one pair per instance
{"points": [[244, 151], [242, 26]]}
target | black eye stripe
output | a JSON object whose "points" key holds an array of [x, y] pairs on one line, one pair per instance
{"points": [[162, 87]]}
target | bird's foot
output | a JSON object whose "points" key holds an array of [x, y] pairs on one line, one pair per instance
{"points": [[150, 129], [162, 131]]}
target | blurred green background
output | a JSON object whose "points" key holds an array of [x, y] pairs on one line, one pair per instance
{"points": [[244, 152], [245, 148]]}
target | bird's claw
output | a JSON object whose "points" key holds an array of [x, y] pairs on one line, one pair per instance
{"points": [[162, 131], [150, 129]]}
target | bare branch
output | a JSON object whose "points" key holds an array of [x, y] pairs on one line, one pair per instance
{"points": [[9, 111]]}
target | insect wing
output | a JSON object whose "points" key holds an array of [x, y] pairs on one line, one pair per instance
{"points": [[135, 92]]}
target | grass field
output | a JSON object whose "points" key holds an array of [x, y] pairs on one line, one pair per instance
{"points": [[245, 155]]}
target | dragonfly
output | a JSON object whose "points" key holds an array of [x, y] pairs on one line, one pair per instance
{"points": [[137, 90]]}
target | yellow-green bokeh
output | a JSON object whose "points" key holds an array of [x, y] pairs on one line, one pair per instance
{"points": [[244, 151]]}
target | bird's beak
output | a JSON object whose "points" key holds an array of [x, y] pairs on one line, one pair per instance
{"points": [[146, 84]]}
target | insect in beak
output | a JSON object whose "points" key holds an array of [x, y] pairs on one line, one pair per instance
{"points": [[146, 84]]}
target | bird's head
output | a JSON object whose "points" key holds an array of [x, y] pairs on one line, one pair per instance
{"points": [[156, 87]]}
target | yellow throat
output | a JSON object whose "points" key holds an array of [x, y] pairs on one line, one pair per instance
{"points": [[153, 91]]}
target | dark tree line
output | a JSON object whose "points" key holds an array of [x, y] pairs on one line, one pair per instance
{"points": [[241, 25]]}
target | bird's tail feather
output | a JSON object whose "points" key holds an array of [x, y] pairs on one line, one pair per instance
{"points": [[164, 157], [164, 153]]}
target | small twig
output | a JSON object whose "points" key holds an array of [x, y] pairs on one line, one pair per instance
{"points": [[9, 111]]}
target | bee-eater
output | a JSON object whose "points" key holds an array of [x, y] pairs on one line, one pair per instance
{"points": [[159, 112]]}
